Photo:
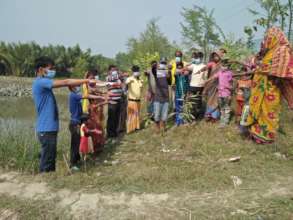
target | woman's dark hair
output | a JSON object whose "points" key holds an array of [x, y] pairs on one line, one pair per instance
{"points": [[43, 62], [179, 52], [181, 65], [91, 72]]}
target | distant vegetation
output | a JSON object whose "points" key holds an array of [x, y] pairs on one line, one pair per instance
{"points": [[199, 29]]}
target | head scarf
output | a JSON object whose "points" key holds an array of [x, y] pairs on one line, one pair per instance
{"points": [[278, 61]]}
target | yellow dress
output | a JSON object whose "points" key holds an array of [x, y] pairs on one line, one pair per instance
{"points": [[265, 100]]}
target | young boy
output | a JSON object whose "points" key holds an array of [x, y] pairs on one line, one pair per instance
{"points": [[47, 125], [181, 82], [134, 85]]}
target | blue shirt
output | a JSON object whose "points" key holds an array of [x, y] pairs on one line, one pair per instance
{"points": [[45, 105], [75, 107]]}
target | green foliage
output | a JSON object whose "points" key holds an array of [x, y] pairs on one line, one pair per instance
{"points": [[123, 60], [200, 29], [274, 12], [150, 42], [144, 60], [236, 48], [18, 59]]}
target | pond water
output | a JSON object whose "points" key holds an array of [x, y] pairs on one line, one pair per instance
{"points": [[23, 108]]}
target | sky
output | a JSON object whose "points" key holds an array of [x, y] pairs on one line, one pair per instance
{"points": [[105, 25]]}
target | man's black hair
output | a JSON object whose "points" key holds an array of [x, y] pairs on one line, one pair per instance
{"points": [[84, 117], [43, 62], [135, 68], [154, 62], [163, 60], [111, 66], [200, 54]]}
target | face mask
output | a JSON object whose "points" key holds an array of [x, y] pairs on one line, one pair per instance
{"points": [[136, 74], [50, 74], [178, 59], [196, 60], [162, 66], [114, 74], [77, 89]]}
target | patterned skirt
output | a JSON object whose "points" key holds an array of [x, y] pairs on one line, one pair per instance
{"points": [[133, 110]]}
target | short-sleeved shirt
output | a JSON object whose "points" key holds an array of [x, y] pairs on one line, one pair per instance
{"points": [[225, 83], [134, 87], [45, 105], [75, 107], [197, 79], [162, 86]]}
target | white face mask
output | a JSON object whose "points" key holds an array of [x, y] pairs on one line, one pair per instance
{"points": [[114, 74], [77, 89], [162, 66], [136, 74]]}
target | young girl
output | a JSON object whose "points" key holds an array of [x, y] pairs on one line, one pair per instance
{"points": [[224, 78], [86, 142]]}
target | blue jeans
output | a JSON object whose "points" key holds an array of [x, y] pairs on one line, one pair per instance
{"points": [[48, 142], [161, 111], [179, 109]]}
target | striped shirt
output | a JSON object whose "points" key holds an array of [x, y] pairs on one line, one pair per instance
{"points": [[115, 89]]}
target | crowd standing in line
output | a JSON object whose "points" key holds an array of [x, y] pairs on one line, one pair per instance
{"points": [[263, 80]]}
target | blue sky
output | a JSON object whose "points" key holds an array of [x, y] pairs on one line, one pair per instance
{"points": [[105, 26]]}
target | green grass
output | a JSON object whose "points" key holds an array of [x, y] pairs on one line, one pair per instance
{"points": [[188, 159], [30, 209]]}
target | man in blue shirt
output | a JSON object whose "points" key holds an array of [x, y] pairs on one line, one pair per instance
{"points": [[47, 125]]}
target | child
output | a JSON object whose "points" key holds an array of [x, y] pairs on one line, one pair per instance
{"points": [[242, 94], [224, 77], [86, 143], [181, 82]]}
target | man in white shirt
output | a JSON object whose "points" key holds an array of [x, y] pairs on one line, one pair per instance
{"points": [[197, 81]]}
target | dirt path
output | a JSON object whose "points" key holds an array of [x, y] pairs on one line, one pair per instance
{"points": [[82, 205]]}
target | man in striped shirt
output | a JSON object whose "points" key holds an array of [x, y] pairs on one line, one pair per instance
{"points": [[114, 109]]}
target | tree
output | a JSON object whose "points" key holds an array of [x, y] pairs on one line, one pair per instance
{"points": [[151, 41], [290, 7], [18, 59], [200, 29], [123, 60], [236, 48]]}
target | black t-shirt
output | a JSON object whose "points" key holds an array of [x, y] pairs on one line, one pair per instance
{"points": [[162, 85]]}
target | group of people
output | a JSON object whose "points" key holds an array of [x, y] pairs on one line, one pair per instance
{"points": [[194, 89]]}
